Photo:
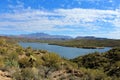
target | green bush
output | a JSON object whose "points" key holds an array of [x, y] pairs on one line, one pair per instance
{"points": [[1, 62], [19, 50], [38, 61], [94, 74], [93, 61], [3, 51], [51, 60], [27, 74], [24, 62], [2, 41], [113, 55], [114, 69], [13, 56]]}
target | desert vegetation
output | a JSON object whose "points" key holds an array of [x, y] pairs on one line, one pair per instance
{"points": [[79, 43], [19, 63], [88, 43]]}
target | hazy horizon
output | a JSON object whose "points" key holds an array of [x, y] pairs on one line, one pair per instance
{"points": [[99, 18]]}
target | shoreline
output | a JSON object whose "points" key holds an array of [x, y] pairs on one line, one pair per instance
{"points": [[84, 47]]}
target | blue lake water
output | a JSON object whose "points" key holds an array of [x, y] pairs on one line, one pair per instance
{"points": [[68, 52]]}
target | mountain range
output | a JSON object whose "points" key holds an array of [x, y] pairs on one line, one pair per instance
{"points": [[90, 37], [45, 36]]}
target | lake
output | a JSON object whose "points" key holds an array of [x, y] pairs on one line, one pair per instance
{"points": [[67, 52]]}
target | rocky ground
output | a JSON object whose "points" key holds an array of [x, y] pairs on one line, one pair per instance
{"points": [[5, 75]]}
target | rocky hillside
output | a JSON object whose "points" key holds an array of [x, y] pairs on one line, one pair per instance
{"points": [[29, 64], [108, 62], [17, 63]]}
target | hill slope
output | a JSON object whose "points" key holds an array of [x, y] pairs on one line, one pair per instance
{"points": [[88, 43], [29, 64], [108, 62]]}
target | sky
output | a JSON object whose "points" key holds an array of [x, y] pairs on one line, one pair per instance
{"points": [[100, 18]]}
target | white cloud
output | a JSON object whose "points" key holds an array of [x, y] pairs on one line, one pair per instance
{"points": [[60, 20]]}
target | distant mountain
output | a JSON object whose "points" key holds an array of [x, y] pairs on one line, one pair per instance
{"points": [[90, 37], [44, 36]]}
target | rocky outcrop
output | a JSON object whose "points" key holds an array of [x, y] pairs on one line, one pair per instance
{"points": [[5, 75]]}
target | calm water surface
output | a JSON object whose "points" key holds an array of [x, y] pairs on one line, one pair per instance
{"points": [[68, 52]]}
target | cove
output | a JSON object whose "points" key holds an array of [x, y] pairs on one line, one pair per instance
{"points": [[67, 52]]}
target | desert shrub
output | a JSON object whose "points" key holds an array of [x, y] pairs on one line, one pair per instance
{"points": [[1, 62], [43, 51], [2, 41], [19, 50], [27, 62], [27, 74], [17, 74], [94, 74], [69, 65], [11, 63], [113, 55], [3, 51], [30, 74], [114, 69], [24, 62], [28, 53], [51, 60], [11, 60], [38, 61], [93, 61], [28, 49], [13, 56]]}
